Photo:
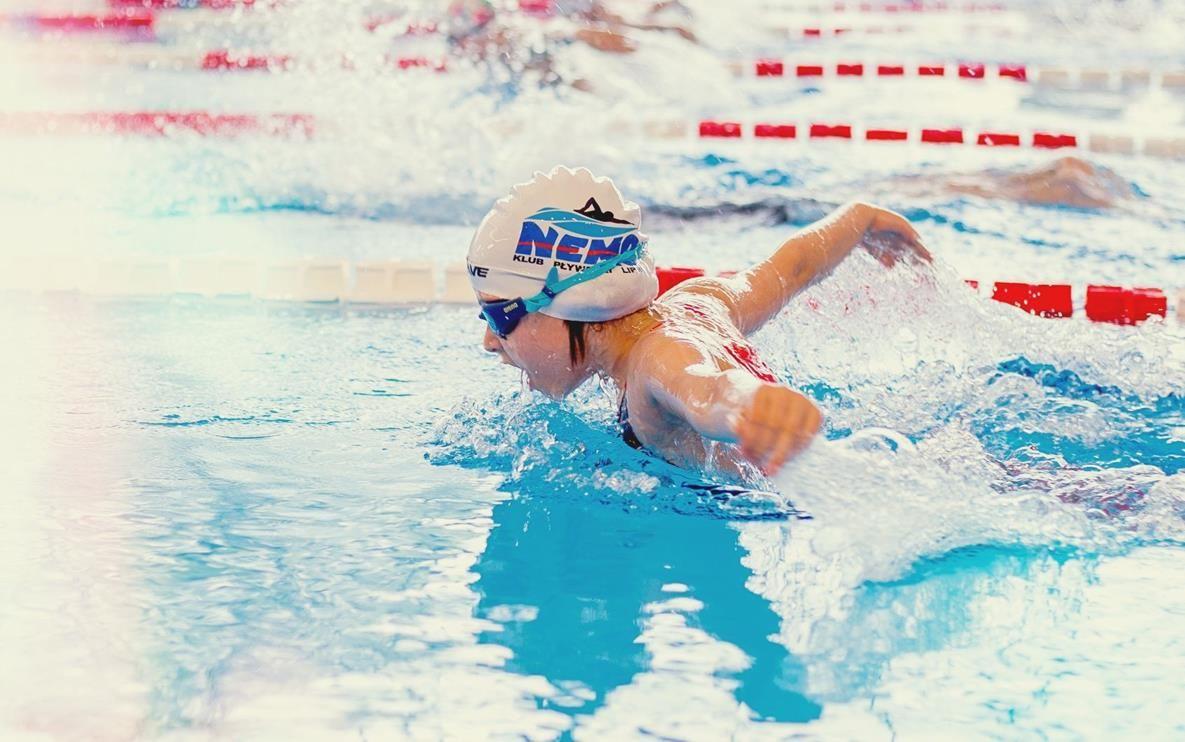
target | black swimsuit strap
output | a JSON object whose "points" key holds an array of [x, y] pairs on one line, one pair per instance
{"points": [[627, 431]]}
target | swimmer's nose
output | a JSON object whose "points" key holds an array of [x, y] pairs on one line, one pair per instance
{"points": [[491, 342]]}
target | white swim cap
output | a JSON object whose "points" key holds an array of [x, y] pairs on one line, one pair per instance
{"points": [[571, 220]]}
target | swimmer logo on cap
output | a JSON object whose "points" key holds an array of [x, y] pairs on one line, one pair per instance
{"points": [[575, 238], [529, 232]]}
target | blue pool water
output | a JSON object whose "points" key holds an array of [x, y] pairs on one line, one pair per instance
{"points": [[247, 519]]}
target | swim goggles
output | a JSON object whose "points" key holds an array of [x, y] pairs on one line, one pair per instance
{"points": [[504, 316]]}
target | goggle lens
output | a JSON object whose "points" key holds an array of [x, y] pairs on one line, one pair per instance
{"points": [[503, 316]]}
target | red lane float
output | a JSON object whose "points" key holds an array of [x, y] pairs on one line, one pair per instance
{"points": [[1124, 306], [886, 135], [1111, 304], [775, 131], [996, 139], [159, 123], [942, 136], [720, 129], [770, 68], [831, 131], [670, 277], [136, 21], [225, 59], [971, 71], [1041, 299], [1045, 140]]}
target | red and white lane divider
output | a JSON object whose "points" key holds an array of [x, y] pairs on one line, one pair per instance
{"points": [[227, 60], [421, 282], [204, 123], [192, 4], [831, 32], [1082, 78], [890, 8], [149, 23], [1157, 146], [160, 123], [135, 21], [217, 60], [1102, 303], [811, 69]]}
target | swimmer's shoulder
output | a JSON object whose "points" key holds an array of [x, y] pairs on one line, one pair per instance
{"points": [[707, 296], [666, 350]]}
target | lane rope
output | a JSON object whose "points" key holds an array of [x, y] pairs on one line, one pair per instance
{"points": [[409, 282], [303, 125], [1054, 77]]}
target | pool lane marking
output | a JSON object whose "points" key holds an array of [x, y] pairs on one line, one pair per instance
{"points": [[1054, 77], [402, 282], [159, 123], [908, 8], [225, 60], [139, 21], [239, 60], [1122, 143], [304, 125], [193, 4], [1103, 303]]}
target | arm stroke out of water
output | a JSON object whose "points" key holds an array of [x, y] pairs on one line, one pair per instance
{"points": [[747, 405]]}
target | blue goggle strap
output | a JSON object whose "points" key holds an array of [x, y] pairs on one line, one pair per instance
{"points": [[554, 285]]}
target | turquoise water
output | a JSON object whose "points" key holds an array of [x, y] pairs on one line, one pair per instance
{"points": [[244, 519]]}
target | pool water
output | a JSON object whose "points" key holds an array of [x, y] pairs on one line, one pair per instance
{"points": [[246, 519]]}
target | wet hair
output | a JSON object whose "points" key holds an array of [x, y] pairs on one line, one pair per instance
{"points": [[576, 346]]}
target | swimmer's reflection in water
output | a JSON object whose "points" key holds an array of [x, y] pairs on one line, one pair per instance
{"points": [[575, 587], [693, 390]]}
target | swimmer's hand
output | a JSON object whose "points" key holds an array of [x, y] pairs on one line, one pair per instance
{"points": [[890, 238], [778, 423]]}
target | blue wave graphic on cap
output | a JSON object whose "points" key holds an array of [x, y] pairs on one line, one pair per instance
{"points": [[580, 224]]}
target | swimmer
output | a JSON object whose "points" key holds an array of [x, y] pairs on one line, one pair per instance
{"points": [[605, 30], [477, 31], [1067, 181], [568, 291]]}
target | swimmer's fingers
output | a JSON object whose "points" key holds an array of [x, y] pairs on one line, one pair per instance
{"points": [[890, 247], [922, 253], [789, 443], [756, 439], [884, 220]]}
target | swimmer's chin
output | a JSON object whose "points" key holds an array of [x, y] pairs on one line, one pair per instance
{"points": [[552, 394]]}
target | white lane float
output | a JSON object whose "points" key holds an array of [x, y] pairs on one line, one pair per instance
{"points": [[417, 282]]}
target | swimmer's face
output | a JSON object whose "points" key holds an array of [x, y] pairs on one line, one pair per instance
{"points": [[538, 346]]}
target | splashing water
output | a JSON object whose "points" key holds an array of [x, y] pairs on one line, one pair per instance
{"points": [[958, 440]]}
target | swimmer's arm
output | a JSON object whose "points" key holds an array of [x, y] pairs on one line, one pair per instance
{"points": [[756, 295], [770, 422]]}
